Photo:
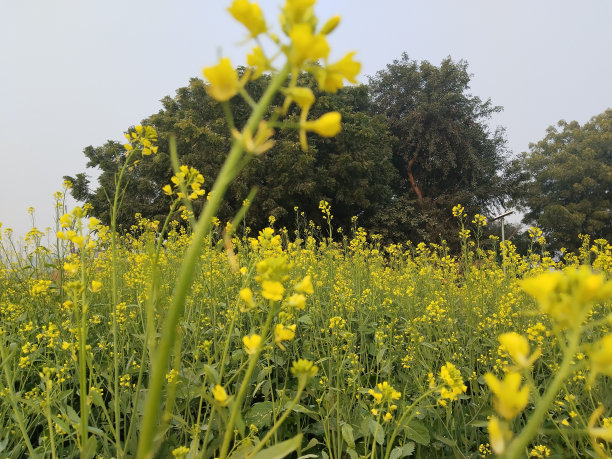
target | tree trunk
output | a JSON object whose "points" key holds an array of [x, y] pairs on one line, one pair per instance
{"points": [[413, 182]]}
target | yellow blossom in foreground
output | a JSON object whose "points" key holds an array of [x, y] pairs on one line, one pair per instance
{"points": [[509, 398], [568, 295], [248, 14], [327, 126], [303, 368], [297, 301], [251, 343], [305, 46], [331, 77], [96, 286], [220, 395], [259, 61], [499, 435], [282, 333], [330, 25], [601, 357], [301, 96], [297, 12], [223, 78], [517, 347], [305, 286], [272, 290], [246, 295]]}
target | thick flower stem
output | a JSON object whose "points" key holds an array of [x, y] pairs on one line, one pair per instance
{"points": [[229, 428], [187, 271], [516, 448], [280, 421]]}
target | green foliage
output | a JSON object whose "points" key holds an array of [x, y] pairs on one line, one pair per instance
{"points": [[442, 147], [352, 170], [412, 120], [565, 181]]}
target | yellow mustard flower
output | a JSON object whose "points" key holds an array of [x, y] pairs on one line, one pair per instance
{"points": [[252, 343], [249, 14], [453, 382], [282, 333], [305, 286], [601, 357], [301, 96], [272, 290], [96, 286], [297, 12], [306, 46], [259, 144], [331, 77], [246, 295], [330, 25], [517, 346], [303, 368], [568, 295], [499, 435], [220, 395], [509, 398], [297, 301], [180, 452], [258, 60], [327, 126], [223, 79]]}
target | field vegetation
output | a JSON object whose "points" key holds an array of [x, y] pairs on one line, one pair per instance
{"points": [[192, 336]]}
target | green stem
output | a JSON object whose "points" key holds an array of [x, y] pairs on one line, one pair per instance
{"points": [[16, 412], [48, 416], [517, 446], [113, 225], [279, 422], [400, 421], [187, 271], [84, 392], [229, 428]]}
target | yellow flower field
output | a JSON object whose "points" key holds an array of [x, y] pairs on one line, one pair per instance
{"points": [[196, 338]]}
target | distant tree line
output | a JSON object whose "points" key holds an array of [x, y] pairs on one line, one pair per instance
{"points": [[414, 143]]}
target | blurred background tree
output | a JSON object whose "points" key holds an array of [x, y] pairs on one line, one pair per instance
{"points": [[564, 182], [413, 144]]}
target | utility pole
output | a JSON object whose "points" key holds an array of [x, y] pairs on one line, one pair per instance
{"points": [[502, 216]]}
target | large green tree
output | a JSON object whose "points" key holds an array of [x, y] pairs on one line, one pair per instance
{"points": [[353, 171], [564, 182], [443, 149]]}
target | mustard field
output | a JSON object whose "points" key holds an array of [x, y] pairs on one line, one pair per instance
{"points": [[296, 344]]}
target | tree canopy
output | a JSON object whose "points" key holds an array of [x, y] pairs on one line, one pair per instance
{"points": [[413, 144], [564, 182], [443, 150]]}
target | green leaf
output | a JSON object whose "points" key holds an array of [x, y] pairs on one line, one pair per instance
{"points": [[377, 431], [302, 409], [96, 398], [212, 373], [352, 453], [402, 451], [260, 414], [90, 448], [280, 450], [72, 415], [347, 434], [305, 319], [418, 432]]}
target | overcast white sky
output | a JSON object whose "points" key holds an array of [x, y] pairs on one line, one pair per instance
{"points": [[77, 73]]}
